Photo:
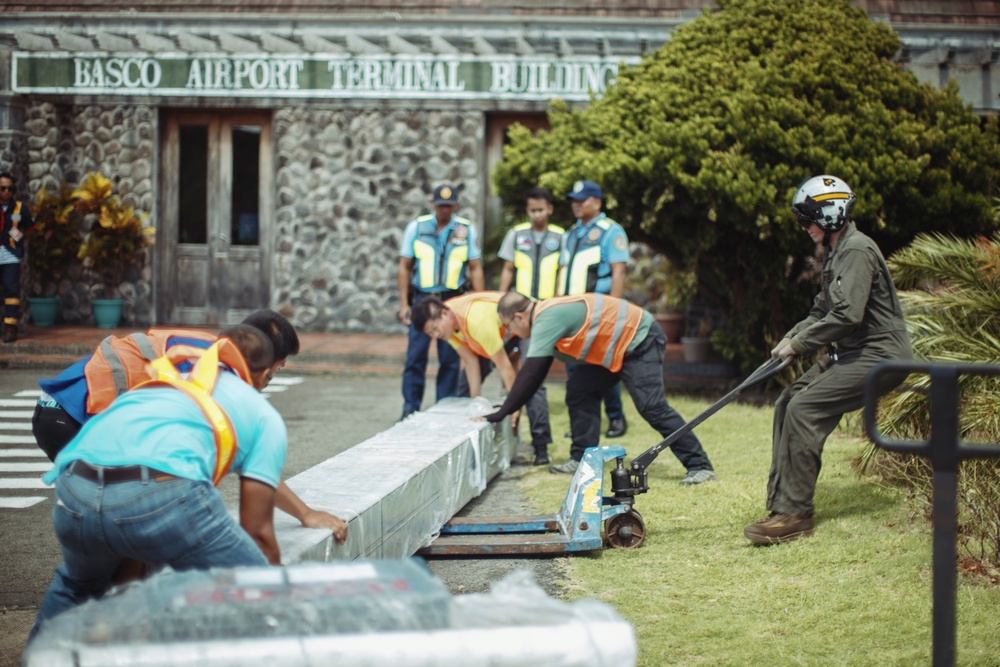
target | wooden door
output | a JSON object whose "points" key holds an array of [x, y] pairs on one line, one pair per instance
{"points": [[217, 204]]}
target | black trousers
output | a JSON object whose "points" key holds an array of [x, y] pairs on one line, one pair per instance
{"points": [[53, 428], [642, 375]]}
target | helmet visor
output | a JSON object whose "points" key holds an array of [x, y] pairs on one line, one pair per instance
{"points": [[809, 212]]}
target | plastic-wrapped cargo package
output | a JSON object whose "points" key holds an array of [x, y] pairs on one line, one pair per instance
{"points": [[399, 487], [357, 614]]}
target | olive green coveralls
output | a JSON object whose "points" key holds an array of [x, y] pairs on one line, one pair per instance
{"points": [[857, 317]]}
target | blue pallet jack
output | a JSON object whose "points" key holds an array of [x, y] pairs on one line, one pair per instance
{"points": [[585, 509]]}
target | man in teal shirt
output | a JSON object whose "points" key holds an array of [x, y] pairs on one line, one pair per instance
{"points": [[136, 483]]}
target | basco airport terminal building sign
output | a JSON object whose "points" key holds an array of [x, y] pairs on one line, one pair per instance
{"points": [[316, 76]]}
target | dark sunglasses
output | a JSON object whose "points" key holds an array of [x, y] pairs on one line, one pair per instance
{"points": [[6, 188]]}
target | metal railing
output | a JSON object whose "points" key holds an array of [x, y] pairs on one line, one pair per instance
{"points": [[945, 450]]}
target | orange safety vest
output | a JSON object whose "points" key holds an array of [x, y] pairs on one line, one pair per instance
{"points": [[460, 305], [120, 363], [198, 387], [602, 340]]}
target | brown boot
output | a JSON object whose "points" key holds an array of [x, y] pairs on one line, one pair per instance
{"points": [[10, 333], [778, 528]]}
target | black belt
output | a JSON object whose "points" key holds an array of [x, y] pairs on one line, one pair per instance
{"points": [[118, 474]]}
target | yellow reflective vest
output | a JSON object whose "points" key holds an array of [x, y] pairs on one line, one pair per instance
{"points": [[444, 271], [536, 265], [579, 274]]}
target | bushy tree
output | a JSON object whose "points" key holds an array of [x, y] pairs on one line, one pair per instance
{"points": [[701, 146], [951, 302]]}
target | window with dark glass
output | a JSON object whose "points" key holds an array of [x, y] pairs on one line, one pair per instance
{"points": [[193, 183]]}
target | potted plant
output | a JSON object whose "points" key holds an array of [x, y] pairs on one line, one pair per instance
{"points": [[114, 245], [698, 344], [53, 243], [664, 289]]}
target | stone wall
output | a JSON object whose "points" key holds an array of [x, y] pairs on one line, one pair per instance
{"points": [[347, 182], [64, 143]]}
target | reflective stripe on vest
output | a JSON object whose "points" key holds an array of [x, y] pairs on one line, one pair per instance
{"points": [[536, 272], [198, 387], [461, 305], [574, 275], [15, 219], [435, 271], [120, 363], [607, 332]]}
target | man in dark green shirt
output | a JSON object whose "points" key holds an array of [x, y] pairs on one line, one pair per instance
{"points": [[857, 319]]}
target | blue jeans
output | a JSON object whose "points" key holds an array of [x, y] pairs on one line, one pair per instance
{"points": [[177, 522], [415, 371]]}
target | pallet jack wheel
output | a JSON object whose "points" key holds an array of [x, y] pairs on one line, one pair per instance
{"points": [[625, 531]]}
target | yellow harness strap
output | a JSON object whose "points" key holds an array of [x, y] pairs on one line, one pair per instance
{"points": [[15, 217], [199, 386]]}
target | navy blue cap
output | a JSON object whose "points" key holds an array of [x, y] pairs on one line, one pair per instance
{"points": [[584, 189], [446, 194]]}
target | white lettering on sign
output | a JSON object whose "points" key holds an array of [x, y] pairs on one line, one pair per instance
{"points": [[116, 73], [396, 76], [560, 78], [239, 73], [317, 76]]}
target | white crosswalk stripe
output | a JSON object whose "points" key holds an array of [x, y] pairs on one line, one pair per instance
{"points": [[24, 467], [34, 452], [15, 414], [21, 503], [22, 483], [291, 380], [24, 439], [22, 462], [17, 403]]}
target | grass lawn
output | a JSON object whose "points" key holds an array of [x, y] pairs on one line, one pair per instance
{"points": [[858, 592]]}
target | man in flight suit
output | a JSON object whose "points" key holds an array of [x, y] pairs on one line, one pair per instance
{"points": [[856, 318]]}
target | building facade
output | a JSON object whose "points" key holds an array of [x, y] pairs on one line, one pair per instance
{"points": [[280, 150]]}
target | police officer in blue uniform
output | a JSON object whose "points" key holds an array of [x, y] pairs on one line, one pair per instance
{"points": [[593, 259], [439, 256]]}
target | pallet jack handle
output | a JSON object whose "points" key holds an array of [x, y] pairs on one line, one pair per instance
{"points": [[768, 369]]}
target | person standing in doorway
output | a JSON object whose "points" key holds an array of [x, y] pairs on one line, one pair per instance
{"points": [[15, 219], [439, 256], [593, 259], [531, 266]]}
